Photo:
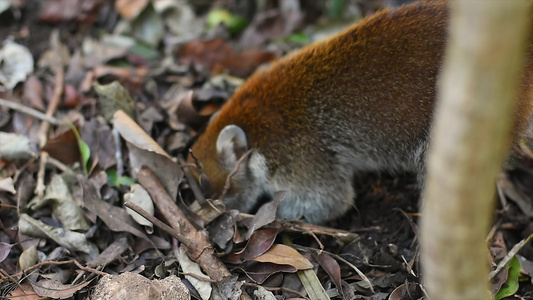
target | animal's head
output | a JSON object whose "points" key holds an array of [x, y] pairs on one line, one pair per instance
{"points": [[224, 151]]}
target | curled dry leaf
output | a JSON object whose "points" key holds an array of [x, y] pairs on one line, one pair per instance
{"points": [[33, 92], [145, 151], [64, 207], [180, 19], [140, 196], [187, 111], [7, 185], [16, 63], [71, 240], [56, 290], [28, 258], [5, 249], [203, 287]]}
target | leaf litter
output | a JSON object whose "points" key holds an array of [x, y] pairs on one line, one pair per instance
{"points": [[139, 79]]}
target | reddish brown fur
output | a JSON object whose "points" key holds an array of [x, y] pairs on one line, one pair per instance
{"points": [[378, 77]]}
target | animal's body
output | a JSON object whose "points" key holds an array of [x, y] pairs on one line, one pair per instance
{"points": [[360, 101]]}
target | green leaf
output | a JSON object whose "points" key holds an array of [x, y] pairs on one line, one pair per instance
{"points": [[336, 9], [218, 16], [510, 287], [85, 154], [85, 151], [298, 38], [145, 51], [115, 181]]}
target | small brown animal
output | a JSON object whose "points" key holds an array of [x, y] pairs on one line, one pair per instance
{"points": [[360, 101]]}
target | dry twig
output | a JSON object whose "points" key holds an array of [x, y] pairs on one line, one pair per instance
{"points": [[198, 247]]}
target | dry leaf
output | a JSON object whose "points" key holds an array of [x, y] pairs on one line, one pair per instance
{"points": [[64, 208], [57, 290], [69, 239], [145, 151], [140, 196], [284, 255], [7, 185], [16, 63], [188, 266], [261, 271], [216, 55], [15, 147], [130, 9], [64, 147]]}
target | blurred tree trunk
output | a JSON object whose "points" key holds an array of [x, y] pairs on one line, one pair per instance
{"points": [[478, 91]]}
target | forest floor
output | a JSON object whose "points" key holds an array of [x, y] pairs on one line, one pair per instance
{"points": [[69, 162]]}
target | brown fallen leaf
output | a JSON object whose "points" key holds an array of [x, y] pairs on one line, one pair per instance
{"points": [[136, 76], [192, 110], [70, 97], [82, 12], [55, 289], [261, 271], [266, 213], [33, 93], [259, 243], [25, 291], [217, 56], [331, 266], [144, 151], [284, 255], [130, 9], [64, 147]]}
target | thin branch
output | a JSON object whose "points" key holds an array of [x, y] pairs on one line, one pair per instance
{"points": [[30, 111], [72, 261], [52, 108], [195, 188]]}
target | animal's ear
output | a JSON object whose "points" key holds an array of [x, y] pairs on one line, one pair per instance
{"points": [[231, 145]]}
